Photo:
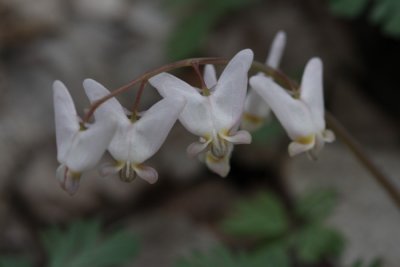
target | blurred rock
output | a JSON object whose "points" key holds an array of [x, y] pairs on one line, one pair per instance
{"points": [[365, 214]]}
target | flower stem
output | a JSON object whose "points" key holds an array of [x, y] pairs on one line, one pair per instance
{"points": [[137, 100], [360, 154], [204, 88], [148, 75]]}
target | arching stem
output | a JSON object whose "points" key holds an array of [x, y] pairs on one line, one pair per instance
{"points": [[148, 75], [361, 155]]}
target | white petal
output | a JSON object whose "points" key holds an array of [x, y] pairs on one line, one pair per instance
{"points": [[196, 148], [241, 137], [109, 109], [329, 136], [89, 145], [169, 85], [66, 119], [228, 98], [312, 91], [147, 173], [142, 139], [296, 148], [220, 166], [256, 111], [276, 51], [292, 113], [69, 181], [195, 117], [210, 77]]}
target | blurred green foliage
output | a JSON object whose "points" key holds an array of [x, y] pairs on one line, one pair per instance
{"points": [[222, 257], [385, 13], [82, 244], [377, 262], [197, 19], [262, 217], [10, 261], [279, 235]]}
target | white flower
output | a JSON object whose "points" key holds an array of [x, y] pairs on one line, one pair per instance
{"points": [[256, 111], [215, 116], [134, 141], [79, 147], [302, 117]]}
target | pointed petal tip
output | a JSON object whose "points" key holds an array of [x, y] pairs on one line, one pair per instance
{"points": [[59, 87], [247, 53], [281, 35], [315, 62]]}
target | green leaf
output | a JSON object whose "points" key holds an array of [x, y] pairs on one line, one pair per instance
{"points": [[348, 8], [271, 256], [261, 217], [13, 261], [316, 206], [220, 257], [315, 242], [191, 34], [82, 245], [268, 133]]}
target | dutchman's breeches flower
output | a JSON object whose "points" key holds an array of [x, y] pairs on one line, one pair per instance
{"points": [[213, 113], [256, 111], [302, 116], [136, 139], [79, 147]]}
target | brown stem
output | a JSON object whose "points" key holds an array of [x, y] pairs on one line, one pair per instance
{"points": [[204, 88], [137, 100], [361, 155], [149, 74]]}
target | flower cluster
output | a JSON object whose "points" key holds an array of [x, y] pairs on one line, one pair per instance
{"points": [[220, 114]]}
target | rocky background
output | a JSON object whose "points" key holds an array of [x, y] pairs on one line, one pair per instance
{"points": [[114, 42]]}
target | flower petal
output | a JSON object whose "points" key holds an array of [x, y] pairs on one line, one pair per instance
{"points": [[241, 137], [210, 77], [109, 109], [276, 50], [198, 147], [143, 138], [220, 166], [195, 117], [296, 148], [312, 91], [89, 145], [256, 111], [328, 136], [147, 173], [69, 181], [66, 119], [292, 113], [228, 98]]}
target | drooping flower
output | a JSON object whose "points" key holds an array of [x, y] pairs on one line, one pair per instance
{"points": [[215, 115], [137, 140], [302, 117], [79, 147], [256, 111]]}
